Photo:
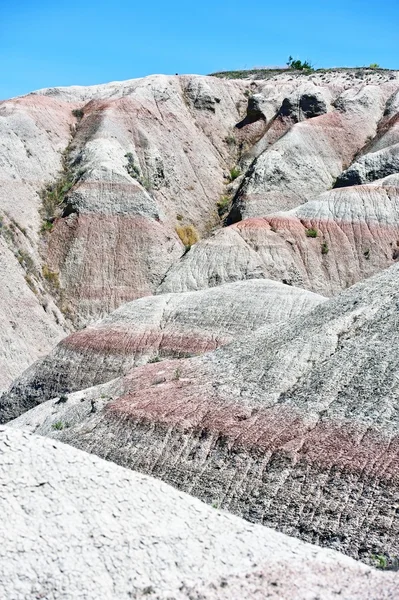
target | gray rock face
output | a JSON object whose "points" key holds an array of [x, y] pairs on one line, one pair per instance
{"points": [[75, 526], [372, 166], [307, 106], [149, 329], [294, 426]]}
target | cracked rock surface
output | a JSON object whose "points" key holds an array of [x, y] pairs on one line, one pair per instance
{"points": [[75, 526]]}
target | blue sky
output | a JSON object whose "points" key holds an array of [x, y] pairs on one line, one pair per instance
{"points": [[46, 43]]}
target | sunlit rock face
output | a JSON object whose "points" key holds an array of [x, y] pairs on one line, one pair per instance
{"points": [[75, 525], [293, 426], [98, 185]]}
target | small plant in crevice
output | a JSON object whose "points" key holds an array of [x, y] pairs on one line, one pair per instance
{"points": [[135, 172], [366, 254], [78, 113], [324, 248], [30, 283], [311, 233], [223, 205], [53, 197], [230, 140], [47, 226], [62, 399], [58, 425], [26, 261], [234, 173], [131, 167], [51, 277], [177, 374], [154, 359], [381, 560], [188, 235]]}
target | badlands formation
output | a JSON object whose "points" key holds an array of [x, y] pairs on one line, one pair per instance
{"points": [[199, 283]]}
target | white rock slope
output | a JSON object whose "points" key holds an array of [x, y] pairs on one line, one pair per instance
{"points": [[75, 526]]}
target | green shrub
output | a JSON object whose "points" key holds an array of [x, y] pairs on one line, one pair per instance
{"points": [[47, 226], [234, 173], [324, 248], [312, 233], [374, 66], [78, 113], [298, 65], [30, 283], [154, 359], [53, 196], [230, 140], [382, 561], [58, 425], [222, 205]]}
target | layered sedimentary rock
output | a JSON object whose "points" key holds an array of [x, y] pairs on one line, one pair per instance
{"points": [[33, 133], [311, 155], [76, 526], [294, 426], [324, 245], [149, 329], [134, 160]]}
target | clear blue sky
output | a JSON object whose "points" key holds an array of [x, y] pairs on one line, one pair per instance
{"points": [[46, 43]]}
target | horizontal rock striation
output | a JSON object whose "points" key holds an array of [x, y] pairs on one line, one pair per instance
{"points": [[325, 245], [294, 426], [104, 179], [152, 328]]}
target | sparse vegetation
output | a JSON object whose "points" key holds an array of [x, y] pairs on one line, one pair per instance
{"points": [[179, 217], [234, 173], [312, 233], [30, 283], [177, 374], [324, 248], [26, 261], [131, 167], [154, 359], [188, 235], [53, 196], [47, 226], [374, 66], [230, 140], [223, 205], [298, 65], [58, 425], [381, 561], [51, 277], [78, 113], [135, 172]]}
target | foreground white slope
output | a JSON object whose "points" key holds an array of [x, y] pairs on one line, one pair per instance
{"points": [[75, 526]]}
